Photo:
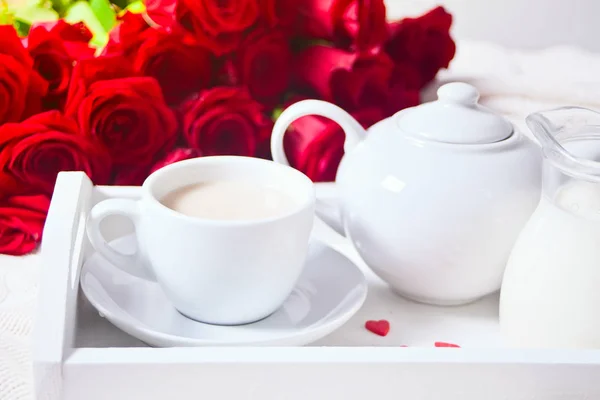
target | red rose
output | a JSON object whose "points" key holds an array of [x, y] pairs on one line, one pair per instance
{"points": [[128, 116], [21, 88], [75, 38], [348, 79], [421, 47], [225, 121], [90, 70], [180, 65], [352, 81], [283, 14], [315, 145], [136, 175], [218, 25], [399, 97], [34, 151], [130, 175], [357, 23], [269, 11], [21, 223], [125, 38], [54, 48], [263, 64], [176, 155]]}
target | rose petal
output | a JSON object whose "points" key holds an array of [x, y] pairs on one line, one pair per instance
{"points": [[176, 155], [129, 117], [315, 145], [218, 26], [225, 120], [36, 166], [11, 45], [21, 223], [264, 63], [422, 44], [89, 71], [177, 62], [13, 89], [316, 64], [444, 344]]}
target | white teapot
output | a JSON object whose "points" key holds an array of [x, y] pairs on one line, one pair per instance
{"points": [[434, 197]]}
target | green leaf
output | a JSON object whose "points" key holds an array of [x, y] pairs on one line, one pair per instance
{"points": [[276, 113], [22, 27], [33, 13], [137, 7], [105, 13], [119, 5], [81, 11], [60, 6], [6, 16]]}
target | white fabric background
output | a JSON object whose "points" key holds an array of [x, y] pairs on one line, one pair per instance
{"points": [[512, 82], [526, 24]]}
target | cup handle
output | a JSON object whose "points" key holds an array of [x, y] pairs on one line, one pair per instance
{"points": [[129, 263]]}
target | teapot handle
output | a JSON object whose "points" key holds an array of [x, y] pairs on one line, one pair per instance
{"points": [[328, 209], [353, 130]]}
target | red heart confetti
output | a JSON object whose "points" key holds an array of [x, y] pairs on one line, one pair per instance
{"points": [[444, 344], [381, 327]]}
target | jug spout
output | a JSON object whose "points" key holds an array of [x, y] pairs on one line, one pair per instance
{"points": [[552, 127], [560, 130]]}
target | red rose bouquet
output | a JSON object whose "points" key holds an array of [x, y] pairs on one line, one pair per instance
{"points": [[119, 89]]}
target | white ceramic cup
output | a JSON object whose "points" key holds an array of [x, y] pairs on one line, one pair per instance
{"points": [[215, 271]]}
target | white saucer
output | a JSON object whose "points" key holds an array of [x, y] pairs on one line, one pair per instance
{"points": [[329, 292]]}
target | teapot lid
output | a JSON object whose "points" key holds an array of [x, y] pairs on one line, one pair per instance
{"points": [[455, 118]]}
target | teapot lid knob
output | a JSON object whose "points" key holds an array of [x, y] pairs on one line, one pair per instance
{"points": [[456, 118], [458, 92]]}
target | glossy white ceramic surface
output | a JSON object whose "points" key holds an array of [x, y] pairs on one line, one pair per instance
{"points": [[216, 271], [329, 292], [435, 220], [455, 117]]}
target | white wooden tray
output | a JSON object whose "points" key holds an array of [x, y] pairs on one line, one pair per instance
{"points": [[80, 356]]}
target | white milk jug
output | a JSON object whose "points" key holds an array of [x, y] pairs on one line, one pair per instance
{"points": [[550, 295]]}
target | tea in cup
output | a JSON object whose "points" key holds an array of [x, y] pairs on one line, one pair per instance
{"points": [[225, 237], [229, 200]]}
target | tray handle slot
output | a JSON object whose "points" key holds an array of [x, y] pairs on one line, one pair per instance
{"points": [[62, 252]]}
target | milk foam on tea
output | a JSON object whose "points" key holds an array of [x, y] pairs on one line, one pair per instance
{"points": [[229, 200]]}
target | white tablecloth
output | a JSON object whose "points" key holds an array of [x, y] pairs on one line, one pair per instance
{"points": [[514, 83]]}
